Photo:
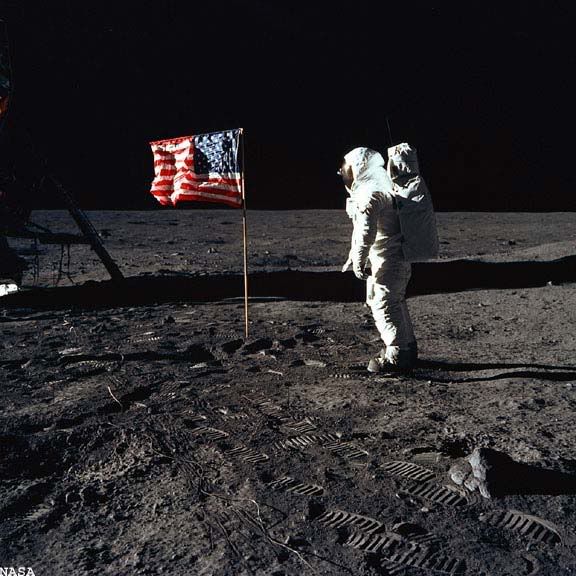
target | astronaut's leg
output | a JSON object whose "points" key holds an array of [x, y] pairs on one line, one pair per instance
{"points": [[392, 317], [412, 351]]}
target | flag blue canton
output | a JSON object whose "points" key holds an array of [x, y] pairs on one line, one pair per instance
{"points": [[216, 153]]}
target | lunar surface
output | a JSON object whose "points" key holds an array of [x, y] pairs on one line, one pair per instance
{"points": [[141, 433]]}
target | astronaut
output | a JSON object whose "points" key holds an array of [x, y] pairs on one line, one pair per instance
{"points": [[377, 240]]}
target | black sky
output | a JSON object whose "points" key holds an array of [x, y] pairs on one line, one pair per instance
{"points": [[484, 91]]}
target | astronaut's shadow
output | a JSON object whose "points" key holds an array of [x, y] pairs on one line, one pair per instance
{"points": [[427, 369]]}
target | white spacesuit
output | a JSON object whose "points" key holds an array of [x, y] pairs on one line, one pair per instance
{"points": [[377, 239]]}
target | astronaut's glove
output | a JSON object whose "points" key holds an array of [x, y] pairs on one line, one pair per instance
{"points": [[359, 272], [347, 265]]}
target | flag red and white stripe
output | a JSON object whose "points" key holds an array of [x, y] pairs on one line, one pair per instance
{"points": [[204, 168]]}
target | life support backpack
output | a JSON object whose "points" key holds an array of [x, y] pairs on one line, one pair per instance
{"points": [[413, 204]]}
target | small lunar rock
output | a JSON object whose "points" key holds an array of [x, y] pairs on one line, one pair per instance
{"points": [[459, 472], [69, 351], [315, 363]]}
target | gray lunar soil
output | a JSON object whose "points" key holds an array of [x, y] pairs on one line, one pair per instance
{"points": [[154, 439]]}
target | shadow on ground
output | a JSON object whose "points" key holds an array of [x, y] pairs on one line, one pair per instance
{"points": [[530, 371], [427, 278], [497, 474], [520, 478]]}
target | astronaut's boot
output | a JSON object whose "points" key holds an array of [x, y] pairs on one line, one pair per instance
{"points": [[394, 359]]}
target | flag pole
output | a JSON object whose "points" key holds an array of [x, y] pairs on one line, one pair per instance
{"points": [[245, 235]]}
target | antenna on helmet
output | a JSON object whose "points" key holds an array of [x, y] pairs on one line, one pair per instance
{"points": [[391, 142]]}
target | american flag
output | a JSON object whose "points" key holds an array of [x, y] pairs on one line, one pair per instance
{"points": [[204, 167]]}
